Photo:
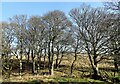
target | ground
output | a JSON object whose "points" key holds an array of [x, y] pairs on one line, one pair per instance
{"points": [[81, 72]]}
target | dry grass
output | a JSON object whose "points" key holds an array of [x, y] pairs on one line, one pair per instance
{"points": [[63, 71]]}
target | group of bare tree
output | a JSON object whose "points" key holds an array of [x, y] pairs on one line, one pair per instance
{"points": [[95, 31]]}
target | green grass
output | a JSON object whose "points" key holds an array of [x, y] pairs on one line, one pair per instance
{"points": [[32, 82], [61, 80], [76, 80]]}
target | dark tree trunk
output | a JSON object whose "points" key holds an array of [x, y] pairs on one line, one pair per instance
{"points": [[40, 58], [49, 61], [28, 54], [21, 52], [52, 63], [33, 62], [71, 70], [57, 57], [38, 63], [116, 66], [45, 58], [61, 59], [94, 66]]}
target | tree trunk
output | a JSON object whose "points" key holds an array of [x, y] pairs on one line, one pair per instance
{"points": [[95, 72], [33, 67], [44, 58], [40, 58], [20, 63], [49, 61], [52, 60], [38, 63], [71, 70], [33, 62], [116, 66], [52, 68], [20, 67], [28, 54], [94, 66], [56, 65], [60, 59], [9, 72], [38, 67]]}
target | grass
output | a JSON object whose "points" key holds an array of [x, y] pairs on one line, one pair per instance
{"points": [[70, 79], [61, 80], [61, 74]]}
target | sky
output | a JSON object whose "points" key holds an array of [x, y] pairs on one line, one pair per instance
{"points": [[9, 9]]}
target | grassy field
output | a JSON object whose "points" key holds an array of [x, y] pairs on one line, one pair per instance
{"points": [[81, 72]]}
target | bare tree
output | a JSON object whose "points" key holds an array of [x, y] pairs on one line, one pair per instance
{"points": [[20, 25], [92, 32], [7, 45], [56, 22], [115, 6], [63, 45], [36, 40], [38, 23], [114, 43], [77, 45]]}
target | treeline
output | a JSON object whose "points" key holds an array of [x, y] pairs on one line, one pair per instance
{"points": [[95, 31]]}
